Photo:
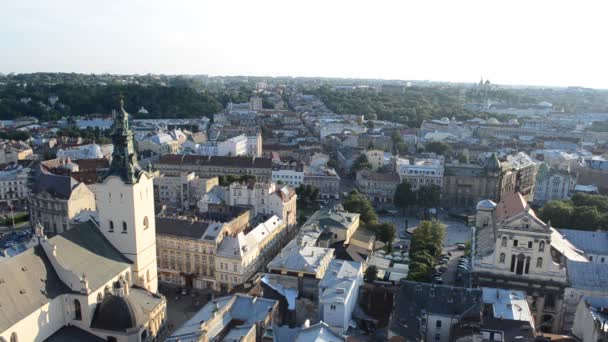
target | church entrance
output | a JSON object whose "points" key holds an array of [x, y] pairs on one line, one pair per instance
{"points": [[520, 264]]}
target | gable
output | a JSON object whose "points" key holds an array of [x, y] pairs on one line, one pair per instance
{"points": [[525, 221]]}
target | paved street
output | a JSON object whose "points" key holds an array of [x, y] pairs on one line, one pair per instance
{"points": [[456, 231], [180, 308]]}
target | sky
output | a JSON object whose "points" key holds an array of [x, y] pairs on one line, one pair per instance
{"points": [[539, 42]]}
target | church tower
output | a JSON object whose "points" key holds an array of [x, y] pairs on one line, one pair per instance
{"points": [[125, 202]]}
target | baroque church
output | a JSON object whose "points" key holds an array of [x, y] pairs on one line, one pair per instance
{"points": [[98, 280], [514, 249]]}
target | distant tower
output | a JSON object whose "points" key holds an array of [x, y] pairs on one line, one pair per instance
{"points": [[125, 202]]}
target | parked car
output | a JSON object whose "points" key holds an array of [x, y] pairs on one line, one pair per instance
{"points": [[461, 246]]}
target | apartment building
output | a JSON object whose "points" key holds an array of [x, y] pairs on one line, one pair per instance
{"points": [[421, 171], [209, 166], [181, 191], [266, 198]]}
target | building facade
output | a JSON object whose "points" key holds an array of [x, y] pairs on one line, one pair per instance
{"points": [[209, 166], [377, 187], [181, 191], [514, 249], [421, 171], [464, 185], [14, 185], [265, 199], [552, 184], [56, 200]]}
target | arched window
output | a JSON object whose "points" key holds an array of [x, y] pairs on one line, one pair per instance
{"points": [[541, 246], [77, 310], [504, 241], [111, 225], [539, 262], [124, 226], [14, 337], [146, 223], [502, 258]]}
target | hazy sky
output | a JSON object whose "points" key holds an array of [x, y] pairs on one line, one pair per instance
{"points": [[538, 42]]}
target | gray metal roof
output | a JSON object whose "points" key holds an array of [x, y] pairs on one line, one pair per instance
{"points": [[244, 308], [27, 282], [413, 298], [589, 242], [84, 250], [181, 228], [70, 333], [587, 275]]}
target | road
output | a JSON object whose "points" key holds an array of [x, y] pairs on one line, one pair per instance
{"points": [[456, 231]]}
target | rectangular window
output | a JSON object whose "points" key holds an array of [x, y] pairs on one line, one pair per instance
{"points": [[332, 307], [515, 243], [529, 244]]}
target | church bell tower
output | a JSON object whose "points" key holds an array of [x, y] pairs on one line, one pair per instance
{"points": [[125, 202]]}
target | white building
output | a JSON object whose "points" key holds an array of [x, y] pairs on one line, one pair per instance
{"points": [[14, 185], [254, 145], [239, 257], [421, 171], [235, 146], [265, 199], [591, 319], [90, 151], [290, 174], [338, 293]]}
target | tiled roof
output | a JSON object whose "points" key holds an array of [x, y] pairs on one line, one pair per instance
{"points": [[510, 205]]}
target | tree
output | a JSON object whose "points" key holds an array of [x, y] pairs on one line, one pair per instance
{"points": [[429, 195], [558, 212], [385, 232], [361, 163], [399, 146], [404, 196], [356, 203], [427, 241], [371, 274], [437, 147], [586, 218], [307, 195]]}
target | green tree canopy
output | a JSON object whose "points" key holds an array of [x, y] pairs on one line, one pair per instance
{"points": [[405, 197], [357, 203], [371, 274]]}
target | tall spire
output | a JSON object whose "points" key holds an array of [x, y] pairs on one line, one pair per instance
{"points": [[124, 159]]}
